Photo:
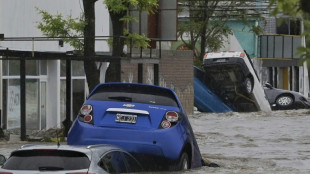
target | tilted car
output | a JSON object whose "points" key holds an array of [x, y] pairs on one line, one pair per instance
{"points": [[146, 120], [64, 159], [232, 77], [281, 99]]}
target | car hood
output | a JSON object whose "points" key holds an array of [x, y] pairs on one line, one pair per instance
{"points": [[148, 116]]}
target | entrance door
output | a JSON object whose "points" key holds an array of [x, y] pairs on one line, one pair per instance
{"points": [[43, 105]]}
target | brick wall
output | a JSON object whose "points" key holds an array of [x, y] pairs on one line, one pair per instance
{"points": [[175, 72]]}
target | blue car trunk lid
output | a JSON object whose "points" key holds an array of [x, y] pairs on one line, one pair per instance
{"points": [[128, 115]]}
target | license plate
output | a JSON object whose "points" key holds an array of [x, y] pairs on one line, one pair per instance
{"points": [[220, 60], [126, 118]]}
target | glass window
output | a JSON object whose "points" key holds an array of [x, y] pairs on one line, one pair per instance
{"points": [[43, 105], [134, 93], [32, 67], [13, 104], [62, 100], [78, 95], [14, 67], [113, 163], [43, 67], [78, 68], [63, 68], [5, 67], [32, 104], [47, 160]]}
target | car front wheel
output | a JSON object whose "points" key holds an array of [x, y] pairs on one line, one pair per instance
{"points": [[284, 101]]}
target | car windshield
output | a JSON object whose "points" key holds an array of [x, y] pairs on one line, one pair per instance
{"points": [[47, 160], [135, 93]]}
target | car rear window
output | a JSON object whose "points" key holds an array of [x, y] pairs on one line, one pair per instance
{"points": [[135, 93], [47, 160]]}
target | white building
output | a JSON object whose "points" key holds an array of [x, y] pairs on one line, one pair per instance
{"points": [[45, 79]]}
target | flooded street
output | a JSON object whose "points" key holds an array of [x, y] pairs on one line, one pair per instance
{"points": [[242, 143], [258, 142]]}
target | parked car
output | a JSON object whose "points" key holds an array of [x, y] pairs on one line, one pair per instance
{"points": [[281, 99], [146, 120], [64, 159], [232, 77]]}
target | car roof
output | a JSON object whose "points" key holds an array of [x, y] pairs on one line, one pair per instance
{"points": [[80, 148], [224, 54]]}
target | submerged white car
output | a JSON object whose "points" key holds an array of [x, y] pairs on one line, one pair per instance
{"points": [[232, 77], [65, 159]]}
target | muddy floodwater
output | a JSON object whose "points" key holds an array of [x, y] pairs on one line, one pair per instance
{"points": [[243, 143]]}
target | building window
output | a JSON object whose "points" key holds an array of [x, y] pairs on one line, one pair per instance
{"points": [[32, 104], [12, 103]]}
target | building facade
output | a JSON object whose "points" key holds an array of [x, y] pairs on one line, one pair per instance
{"points": [[45, 79]]}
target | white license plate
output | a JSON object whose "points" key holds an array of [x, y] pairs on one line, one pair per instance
{"points": [[220, 60], [126, 118]]}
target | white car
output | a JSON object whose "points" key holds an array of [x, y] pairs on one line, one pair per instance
{"points": [[232, 77], [65, 159]]}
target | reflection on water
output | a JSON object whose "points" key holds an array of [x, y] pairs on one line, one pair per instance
{"points": [[243, 143]]}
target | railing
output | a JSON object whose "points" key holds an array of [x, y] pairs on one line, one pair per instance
{"points": [[47, 44]]}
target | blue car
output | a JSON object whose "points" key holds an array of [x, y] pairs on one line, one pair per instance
{"points": [[147, 121]]}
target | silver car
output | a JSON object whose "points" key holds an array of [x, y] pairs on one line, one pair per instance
{"points": [[65, 159]]}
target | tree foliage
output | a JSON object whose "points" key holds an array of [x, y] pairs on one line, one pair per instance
{"points": [[296, 9], [205, 22], [68, 28]]}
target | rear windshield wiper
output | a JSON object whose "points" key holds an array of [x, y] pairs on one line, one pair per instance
{"points": [[50, 168], [121, 98]]}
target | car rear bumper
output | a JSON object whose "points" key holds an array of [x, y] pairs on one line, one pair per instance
{"points": [[167, 143]]}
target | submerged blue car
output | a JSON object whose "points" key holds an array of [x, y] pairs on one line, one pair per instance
{"points": [[146, 120]]}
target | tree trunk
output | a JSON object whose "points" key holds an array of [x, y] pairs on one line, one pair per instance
{"points": [[113, 73], [90, 67], [203, 32]]}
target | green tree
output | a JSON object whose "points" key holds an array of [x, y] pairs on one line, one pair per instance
{"points": [[206, 22], [119, 13], [296, 9], [71, 28]]}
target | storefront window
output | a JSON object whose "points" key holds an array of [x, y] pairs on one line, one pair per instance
{"points": [[32, 104], [62, 100], [43, 105], [5, 68], [78, 68], [12, 103], [63, 68], [32, 67], [43, 67], [14, 67], [78, 95]]}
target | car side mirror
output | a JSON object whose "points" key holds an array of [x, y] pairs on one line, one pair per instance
{"points": [[268, 85], [2, 159]]}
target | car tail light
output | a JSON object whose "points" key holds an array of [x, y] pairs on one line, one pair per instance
{"points": [[88, 118], [6, 173], [242, 55], [86, 114], [165, 124], [171, 118], [86, 109]]}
